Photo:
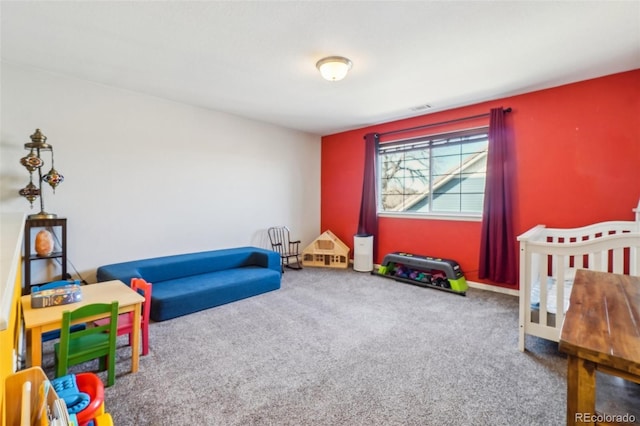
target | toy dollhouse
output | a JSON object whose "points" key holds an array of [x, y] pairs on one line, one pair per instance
{"points": [[326, 251]]}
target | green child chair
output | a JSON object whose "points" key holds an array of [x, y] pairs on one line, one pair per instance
{"points": [[76, 347]]}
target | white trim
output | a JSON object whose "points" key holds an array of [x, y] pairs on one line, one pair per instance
{"points": [[494, 288], [434, 216]]}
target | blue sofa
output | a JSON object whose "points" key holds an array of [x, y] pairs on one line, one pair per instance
{"points": [[187, 283]]}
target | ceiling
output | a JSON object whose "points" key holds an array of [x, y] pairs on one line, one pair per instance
{"points": [[257, 59]]}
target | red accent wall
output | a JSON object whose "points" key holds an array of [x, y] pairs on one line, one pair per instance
{"points": [[577, 150]]}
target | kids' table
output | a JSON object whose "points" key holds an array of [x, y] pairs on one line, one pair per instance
{"points": [[41, 320]]}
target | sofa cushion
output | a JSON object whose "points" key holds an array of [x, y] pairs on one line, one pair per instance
{"points": [[181, 296]]}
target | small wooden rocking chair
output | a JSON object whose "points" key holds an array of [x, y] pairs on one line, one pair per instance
{"points": [[287, 249]]}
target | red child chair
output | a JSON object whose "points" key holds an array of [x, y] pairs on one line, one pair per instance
{"points": [[125, 321]]}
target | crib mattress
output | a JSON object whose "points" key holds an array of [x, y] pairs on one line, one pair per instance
{"points": [[552, 303]]}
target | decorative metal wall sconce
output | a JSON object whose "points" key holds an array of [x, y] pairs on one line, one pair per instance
{"points": [[32, 162]]}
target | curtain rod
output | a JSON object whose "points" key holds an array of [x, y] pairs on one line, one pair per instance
{"points": [[440, 123]]}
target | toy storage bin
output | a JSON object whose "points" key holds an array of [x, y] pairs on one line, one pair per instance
{"points": [[426, 271], [13, 396]]}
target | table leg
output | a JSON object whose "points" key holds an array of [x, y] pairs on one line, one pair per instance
{"points": [[135, 337], [581, 391], [34, 347]]}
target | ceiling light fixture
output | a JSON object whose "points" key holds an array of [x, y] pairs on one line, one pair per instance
{"points": [[334, 68]]}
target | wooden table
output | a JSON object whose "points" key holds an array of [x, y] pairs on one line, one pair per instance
{"points": [[601, 332], [41, 320]]}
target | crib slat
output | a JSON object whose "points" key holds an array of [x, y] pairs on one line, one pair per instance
{"points": [[618, 261], [560, 290], [542, 279], [578, 262], [597, 262]]}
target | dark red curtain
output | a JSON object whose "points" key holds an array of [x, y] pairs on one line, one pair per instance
{"points": [[497, 246], [368, 222]]}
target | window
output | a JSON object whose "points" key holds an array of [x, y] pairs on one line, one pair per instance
{"points": [[443, 174]]}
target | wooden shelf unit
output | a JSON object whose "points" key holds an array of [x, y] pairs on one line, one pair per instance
{"points": [[30, 258]]}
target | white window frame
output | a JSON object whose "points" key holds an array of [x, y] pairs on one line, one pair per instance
{"points": [[430, 142]]}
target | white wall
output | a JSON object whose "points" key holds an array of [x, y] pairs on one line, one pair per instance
{"points": [[146, 177]]}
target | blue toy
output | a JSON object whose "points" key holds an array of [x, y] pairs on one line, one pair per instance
{"points": [[67, 389]]}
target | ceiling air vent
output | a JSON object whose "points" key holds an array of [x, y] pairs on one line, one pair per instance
{"points": [[420, 107]]}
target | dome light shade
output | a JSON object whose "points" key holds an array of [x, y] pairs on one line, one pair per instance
{"points": [[334, 68]]}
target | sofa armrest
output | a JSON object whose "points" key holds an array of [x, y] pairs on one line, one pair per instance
{"points": [[113, 272], [266, 258]]}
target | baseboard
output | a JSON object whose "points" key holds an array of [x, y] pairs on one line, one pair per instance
{"points": [[494, 288]]}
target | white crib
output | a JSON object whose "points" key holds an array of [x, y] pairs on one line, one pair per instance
{"points": [[549, 258]]}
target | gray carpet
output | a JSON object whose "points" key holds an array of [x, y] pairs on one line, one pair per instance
{"points": [[338, 347]]}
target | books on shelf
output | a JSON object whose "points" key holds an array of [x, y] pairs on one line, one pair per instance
{"points": [[60, 415]]}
